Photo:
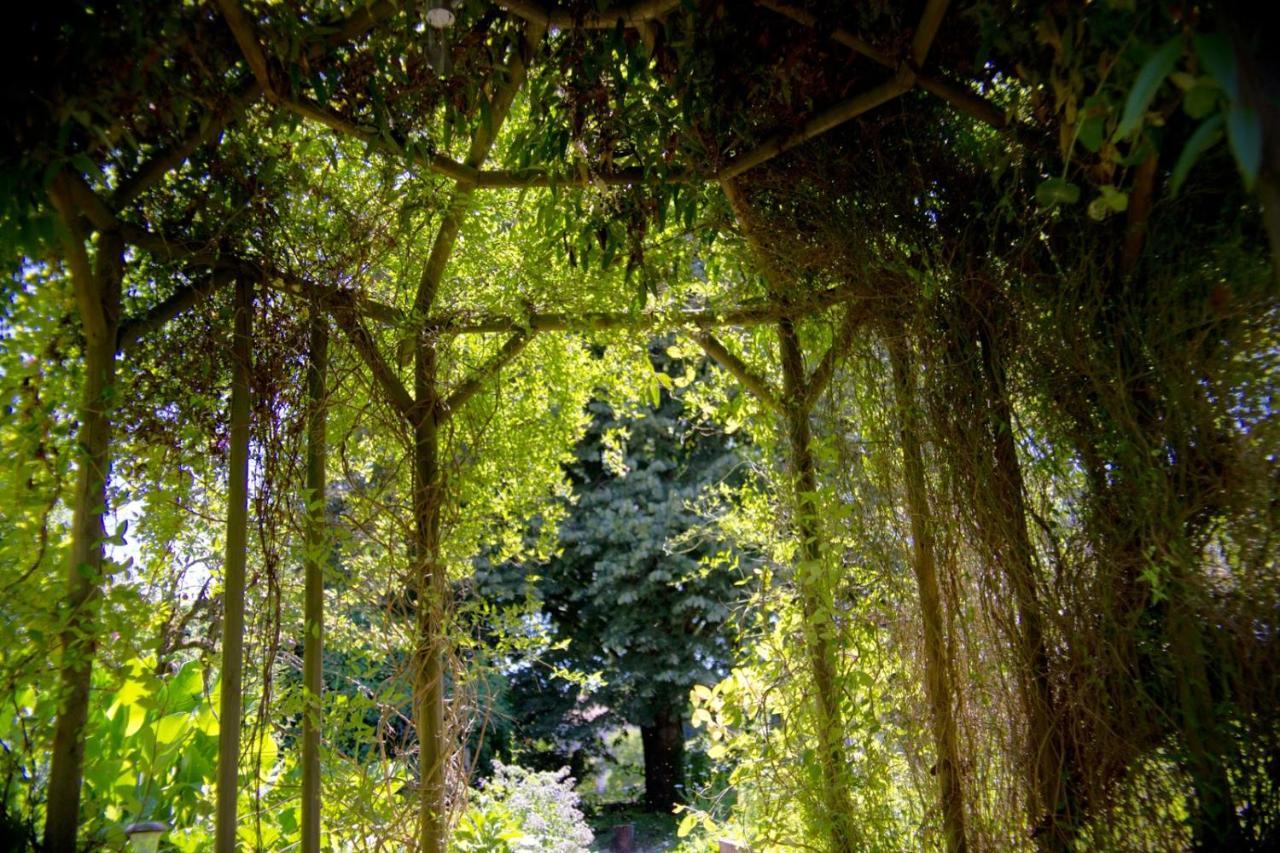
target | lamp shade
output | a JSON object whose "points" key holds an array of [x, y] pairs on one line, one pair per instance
{"points": [[145, 837]]}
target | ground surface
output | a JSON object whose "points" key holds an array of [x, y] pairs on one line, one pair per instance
{"points": [[654, 832]]}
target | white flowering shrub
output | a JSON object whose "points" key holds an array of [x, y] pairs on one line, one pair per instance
{"points": [[522, 811]]}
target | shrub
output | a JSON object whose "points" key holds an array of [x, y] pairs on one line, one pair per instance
{"points": [[521, 811]]}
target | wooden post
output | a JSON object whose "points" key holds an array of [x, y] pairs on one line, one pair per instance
{"points": [[815, 594], [316, 557], [234, 572], [936, 660], [624, 838], [98, 298], [1048, 769], [431, 587]]}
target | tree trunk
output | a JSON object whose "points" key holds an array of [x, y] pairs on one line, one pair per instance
{"points": [[317, 556], [98, 296], [936, 659], [431, 586], [234, 572], [663, 742], [816, 597]]}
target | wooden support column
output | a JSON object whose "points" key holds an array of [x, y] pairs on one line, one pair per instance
{"points": [[799, 394], [234, 572], [814, 583], [98, 298], [431, 586], [936, 660], [1048, 769], [315, 560]]}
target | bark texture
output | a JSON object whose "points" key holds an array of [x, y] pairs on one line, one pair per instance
{"points": [[663, 743], [316, 557], [234, 572]]}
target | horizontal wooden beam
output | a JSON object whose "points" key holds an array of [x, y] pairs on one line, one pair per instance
{"points": [[335, 298], [598, 321], [629, 15]]}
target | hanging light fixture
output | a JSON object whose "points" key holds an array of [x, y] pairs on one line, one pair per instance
{"points": [[145, 837], [439, 18]]}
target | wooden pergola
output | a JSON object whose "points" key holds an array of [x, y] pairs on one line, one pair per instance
{"points": [[424, 406]]}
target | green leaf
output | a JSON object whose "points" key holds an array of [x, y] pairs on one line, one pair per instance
{"points": [[1109, 201], [1217, 57], [1201, 99], [1244, 132], [1206, 135], [171, 728], [1152, 74], [1091, 133], [686, 825], [185, 689], [137, 716], [1054, 191]]}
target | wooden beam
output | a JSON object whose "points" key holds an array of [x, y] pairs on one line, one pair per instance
{"points": [[818, 380], [482, 376], [524, 178], [185, 297], [820, 123], [349, 321], [481, 144], [927, 30], [170, 157], [629, 15], [233, 582], [246, 37], [437, 163], [967, 102], [601, 321], [315, 560], [738, 369]]}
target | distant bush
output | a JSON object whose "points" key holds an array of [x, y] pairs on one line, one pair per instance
{"points": [[521, 811]]}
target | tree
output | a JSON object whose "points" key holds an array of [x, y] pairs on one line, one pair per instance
{"points": [[643, 583]]}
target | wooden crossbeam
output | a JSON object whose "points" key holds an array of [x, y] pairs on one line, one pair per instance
{"points": [[135, 329], [739, 370], [247, 40], [855, 314], [482, 376], [363, 342], [629, 15], [820, 123], [338, 299], [960, 98], [481, 144]]}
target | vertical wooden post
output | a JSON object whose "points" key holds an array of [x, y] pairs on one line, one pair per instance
{"points": [[937, 672], [431, 588], [1048, 769], [815, 594], [316, 557], [98, 298], [234, 572]]}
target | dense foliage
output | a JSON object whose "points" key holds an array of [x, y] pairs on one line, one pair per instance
{"points": [[319, 305]]}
